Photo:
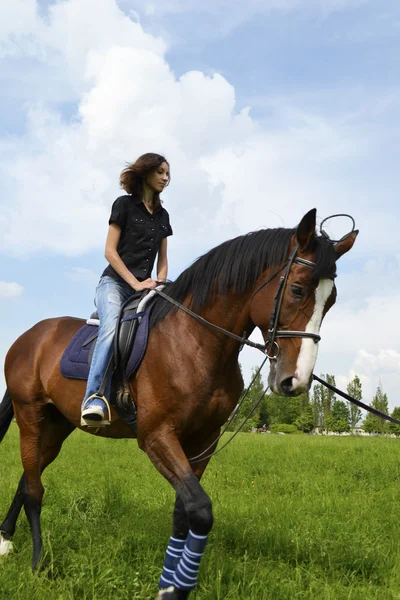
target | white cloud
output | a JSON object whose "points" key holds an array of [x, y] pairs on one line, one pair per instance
{"points": [[381, 362], [17, 19], [60, 178], [10, 290], [283, 173], [81, 33], [382, 368], [226, 16], [363, 340], [230, 173], [368, 326]]}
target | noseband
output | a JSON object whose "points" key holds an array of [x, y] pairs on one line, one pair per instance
{"points": [[273, 332]]}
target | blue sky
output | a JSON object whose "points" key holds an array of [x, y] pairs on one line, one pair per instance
{"points": [[265, 109]]}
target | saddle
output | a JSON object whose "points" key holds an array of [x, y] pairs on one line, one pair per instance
{"points": [[130, 345], [127, 324]]}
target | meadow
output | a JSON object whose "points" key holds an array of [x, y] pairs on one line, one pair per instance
{"points": [[295, 517]]}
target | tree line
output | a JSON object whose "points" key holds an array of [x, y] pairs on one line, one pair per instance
{"points": [[319, 410]]}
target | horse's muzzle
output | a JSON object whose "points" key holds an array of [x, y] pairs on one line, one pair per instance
{"points": [[290, 386]]}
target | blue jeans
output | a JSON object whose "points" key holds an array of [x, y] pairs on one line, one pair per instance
{"points": [[110, 295]]}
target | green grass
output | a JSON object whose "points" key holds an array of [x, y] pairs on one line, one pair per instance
{"points": [[295, 517]]}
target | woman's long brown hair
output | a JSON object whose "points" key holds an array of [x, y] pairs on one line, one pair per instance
{"points": [[132, 177]]}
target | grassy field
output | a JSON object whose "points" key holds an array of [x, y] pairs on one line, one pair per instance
{"points": [[295, 517]]}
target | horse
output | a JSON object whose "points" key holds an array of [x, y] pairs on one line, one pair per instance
{"points": [[189, 381]]}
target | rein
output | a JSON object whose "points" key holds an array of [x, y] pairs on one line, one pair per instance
{"points": [[242, 340], [273, 334], [371, 409], [273, 331], [358, 403], [200, 457]]}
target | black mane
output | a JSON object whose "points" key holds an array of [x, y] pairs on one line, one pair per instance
{"points": [[236, 265]]}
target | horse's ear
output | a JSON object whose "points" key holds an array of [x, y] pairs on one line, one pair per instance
{"points": [[306, 229], [345, 245]]}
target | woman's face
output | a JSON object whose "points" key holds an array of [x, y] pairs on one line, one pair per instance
{"points": [[158, 178]]}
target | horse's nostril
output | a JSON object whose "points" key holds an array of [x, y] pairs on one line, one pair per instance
{"points": [[287, 385]]}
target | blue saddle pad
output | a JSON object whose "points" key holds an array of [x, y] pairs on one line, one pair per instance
{"points": [[74, 362]]}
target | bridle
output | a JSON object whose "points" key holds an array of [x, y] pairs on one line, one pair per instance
{"points": [[273, 331], [273, 334]]}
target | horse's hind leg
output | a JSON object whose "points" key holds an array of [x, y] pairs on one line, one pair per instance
{"points": [[7, 528], [38, 449]]}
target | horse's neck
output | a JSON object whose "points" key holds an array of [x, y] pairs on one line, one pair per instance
{"points": [[232, 313]]}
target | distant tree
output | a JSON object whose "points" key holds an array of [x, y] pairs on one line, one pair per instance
{"points": [[354, 389], [304, 402], [340, 410], [282, 409], [316, 404], [248, 404], [392, 427], [264, 416], [327, 397], [305, 421], [372, 423], [341, 426], [323, 400], [339, 418], [369, 424]]}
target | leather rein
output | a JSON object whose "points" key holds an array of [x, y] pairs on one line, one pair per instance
{"points": [[273, 331], [273, 334]]}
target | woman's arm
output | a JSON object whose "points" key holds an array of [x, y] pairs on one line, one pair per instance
{"points": [[111, 254], [162, 262]]}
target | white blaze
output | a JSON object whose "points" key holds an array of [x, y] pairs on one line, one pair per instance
{"points": [[309, 349]]}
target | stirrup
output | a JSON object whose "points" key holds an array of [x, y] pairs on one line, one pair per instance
{"points": [[92, 422]]}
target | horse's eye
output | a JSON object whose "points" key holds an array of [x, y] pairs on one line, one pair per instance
{"points": [[297, 291]]}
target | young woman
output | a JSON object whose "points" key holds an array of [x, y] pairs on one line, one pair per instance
{"points": [[138, 231]]}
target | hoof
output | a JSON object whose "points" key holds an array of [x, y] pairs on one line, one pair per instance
{"points": [[6, 546], [165, 594], [172, 593]]}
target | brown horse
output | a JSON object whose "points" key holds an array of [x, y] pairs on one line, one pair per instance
{"points": [[189, 381]]}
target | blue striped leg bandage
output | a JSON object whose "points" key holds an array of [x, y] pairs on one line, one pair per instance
{"points": [[172, 557], [186, 573]]}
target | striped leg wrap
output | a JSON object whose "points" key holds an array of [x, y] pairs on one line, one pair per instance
{"points": [[172, 557], [185, 576]]}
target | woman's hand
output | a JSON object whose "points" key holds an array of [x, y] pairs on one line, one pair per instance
{"points": [[147, 284]]}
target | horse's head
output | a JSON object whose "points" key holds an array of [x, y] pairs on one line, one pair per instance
{"points": [[294, 302]]}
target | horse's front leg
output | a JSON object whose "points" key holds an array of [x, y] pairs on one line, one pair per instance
{"points": [[176, 544], [193, 518], [180, 523]]}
